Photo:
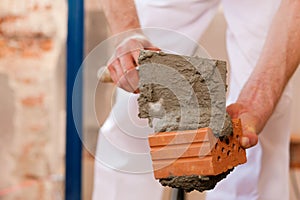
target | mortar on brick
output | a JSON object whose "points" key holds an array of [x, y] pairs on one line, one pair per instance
{"points": [[184, 93], [194, 159]]}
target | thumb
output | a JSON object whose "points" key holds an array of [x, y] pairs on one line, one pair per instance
{"points": [[248, 140]]}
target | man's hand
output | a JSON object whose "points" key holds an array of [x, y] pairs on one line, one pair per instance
{"points": [[122, 66], [250, 123], [278, 61], [122, 17]]}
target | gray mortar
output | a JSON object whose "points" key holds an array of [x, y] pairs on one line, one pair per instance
{"points": [[194, 182], [184, 93]]}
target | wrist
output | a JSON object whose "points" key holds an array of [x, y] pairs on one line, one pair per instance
{"points": [[124, 37], [134, 36], [258, 103]]}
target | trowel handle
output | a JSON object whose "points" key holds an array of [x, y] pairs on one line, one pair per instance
{"points": [[104, 75]]}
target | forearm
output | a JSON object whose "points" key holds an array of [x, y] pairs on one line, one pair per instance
{"points": [[121, 15], [278, 61]]}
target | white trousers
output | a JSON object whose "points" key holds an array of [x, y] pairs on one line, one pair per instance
{"points": [[123, 164]]}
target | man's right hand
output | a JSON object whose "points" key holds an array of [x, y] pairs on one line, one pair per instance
{"points": [[122, 66], [251, 124]]}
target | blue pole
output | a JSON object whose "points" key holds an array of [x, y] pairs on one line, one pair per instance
{"points": [[74, 60]]}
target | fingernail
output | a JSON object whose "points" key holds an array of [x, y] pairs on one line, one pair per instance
{"points": [[245, 142]]}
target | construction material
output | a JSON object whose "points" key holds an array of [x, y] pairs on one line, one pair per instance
{"points": [[195, 160], [183, 97], [195, 152], [183, 93]]}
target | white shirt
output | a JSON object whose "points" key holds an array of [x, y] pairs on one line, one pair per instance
{"points": [[121, 152]]}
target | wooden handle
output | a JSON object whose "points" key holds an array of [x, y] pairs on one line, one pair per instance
{"points": [[104, 75]]}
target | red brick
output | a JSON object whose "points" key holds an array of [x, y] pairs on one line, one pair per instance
{"points": [[195, 152]]}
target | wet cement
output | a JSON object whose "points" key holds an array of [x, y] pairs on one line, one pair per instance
{"points": [[194, 182], [184, 93]]}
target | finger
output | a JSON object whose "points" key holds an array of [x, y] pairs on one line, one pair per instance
{"points": [[130, 72], [248, 140], [137, 91], [120, 79], [132, 77], [234, 110], [118, 69], [144, 45], [124, 84], [112, 73], [152, 48], [136, 53], [127, 62], [132, 46]]}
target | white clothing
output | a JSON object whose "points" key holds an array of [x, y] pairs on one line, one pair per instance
{"points": [[122, 146]]}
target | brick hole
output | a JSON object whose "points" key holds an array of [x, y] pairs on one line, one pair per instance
{"points": [[228, 153], [219, 158], [223, 150], [237, 136], [233, 146], [227, 140], [239, 149], [216, 146]]}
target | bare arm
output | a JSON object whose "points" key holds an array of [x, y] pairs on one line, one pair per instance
{"points": [[277, 63], [121, 15]]}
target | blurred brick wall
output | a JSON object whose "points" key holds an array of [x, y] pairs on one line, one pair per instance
{"points": [[32, 39]]}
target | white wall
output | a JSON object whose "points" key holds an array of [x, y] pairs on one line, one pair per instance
{"points": [[32, 37]]}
